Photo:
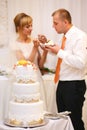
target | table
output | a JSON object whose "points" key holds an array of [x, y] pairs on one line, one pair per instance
{"points": [[50, 92], [4, 96], [59, 124]]}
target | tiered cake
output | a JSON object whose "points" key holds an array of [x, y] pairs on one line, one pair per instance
{"points": [[25, 107]]}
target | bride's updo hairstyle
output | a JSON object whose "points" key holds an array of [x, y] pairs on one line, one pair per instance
{"points": [[21, 20]]}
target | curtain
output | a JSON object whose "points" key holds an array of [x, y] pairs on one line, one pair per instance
{"points": [[41, 11]]}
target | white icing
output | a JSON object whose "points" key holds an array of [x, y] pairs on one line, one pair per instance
{"points": [[26, 92], [26, 112]]}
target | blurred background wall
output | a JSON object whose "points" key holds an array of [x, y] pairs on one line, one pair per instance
{"points": [[41, 11]]}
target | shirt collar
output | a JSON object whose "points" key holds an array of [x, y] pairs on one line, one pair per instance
{"points": [[68, 35]]}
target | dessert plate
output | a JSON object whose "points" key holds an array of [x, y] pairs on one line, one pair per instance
{"points": [[50, 43], [64, 113], [7, 122], [57, 115], [51, 116]]}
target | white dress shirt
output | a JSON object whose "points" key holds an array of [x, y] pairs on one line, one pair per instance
{"points": [[74, 56]]}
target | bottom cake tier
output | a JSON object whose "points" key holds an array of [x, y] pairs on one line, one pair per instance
{"points": [[25, 113]]}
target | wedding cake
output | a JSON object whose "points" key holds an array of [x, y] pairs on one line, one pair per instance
{"points": [[25, 107]]}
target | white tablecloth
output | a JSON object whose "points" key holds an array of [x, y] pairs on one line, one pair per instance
{"points": [[59, 124], [4, 96], [50, 90]]}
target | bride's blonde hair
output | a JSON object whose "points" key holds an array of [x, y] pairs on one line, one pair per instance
{"points": [[21, 20]]}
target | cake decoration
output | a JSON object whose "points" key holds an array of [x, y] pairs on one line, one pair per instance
{"points": [[25, 63]]}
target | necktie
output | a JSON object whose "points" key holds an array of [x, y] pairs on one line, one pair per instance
{"points": [[59, 62]]}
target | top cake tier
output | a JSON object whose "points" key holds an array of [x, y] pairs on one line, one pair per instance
{"points": [[25, 71]]}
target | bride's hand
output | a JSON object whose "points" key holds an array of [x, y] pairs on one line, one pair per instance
{"points": [[36, 43]]}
